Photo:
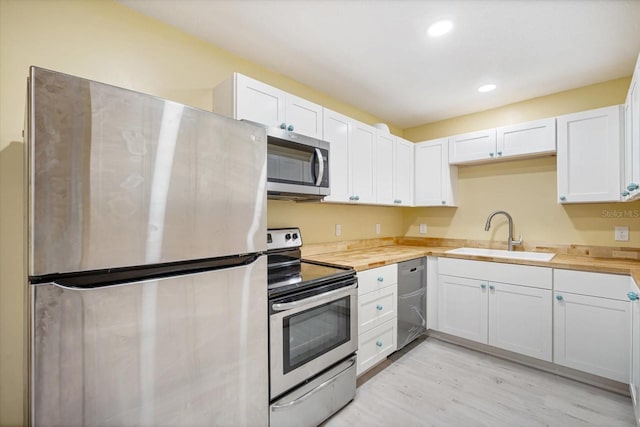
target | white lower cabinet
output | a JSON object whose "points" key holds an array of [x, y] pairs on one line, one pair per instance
{"points": [[520, 319], [462, 307], [592, 328], [377, 315], [502, 305]]}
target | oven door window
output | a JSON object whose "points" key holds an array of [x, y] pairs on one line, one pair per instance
{"points": [[314, 332]]}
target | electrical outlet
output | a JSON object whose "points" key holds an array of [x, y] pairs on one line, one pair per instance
{"points": [[423, 228], [338, 229], [377, 228], [622, 234]]}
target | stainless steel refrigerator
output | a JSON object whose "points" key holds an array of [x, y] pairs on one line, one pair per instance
{"points": [[147, 277]]}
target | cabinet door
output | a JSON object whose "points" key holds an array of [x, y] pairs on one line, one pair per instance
{"points": [[589, 156], [632, 185], [303, 117], [462, 307], [634, 386], [384, 168], [435, 179], [259, 102], [592, 334], [472, 147], [520, 319], [403, 172], [337, 131], [524, 139], [361, 163]]}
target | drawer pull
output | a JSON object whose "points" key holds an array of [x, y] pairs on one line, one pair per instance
{"points": [[379, 307], [483, 286], [493, 288], [380, 279], [559, 297], [632, 296], [379, 343]]}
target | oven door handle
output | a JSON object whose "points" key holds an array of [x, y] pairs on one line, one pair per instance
{"points": [[281, 406], [327, 296], [320, 161]]}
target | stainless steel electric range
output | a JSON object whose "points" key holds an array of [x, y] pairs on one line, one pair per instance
{"points": [[313, 317]]}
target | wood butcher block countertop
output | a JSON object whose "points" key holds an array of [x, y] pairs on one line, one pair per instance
{"points": [[372, 257]]}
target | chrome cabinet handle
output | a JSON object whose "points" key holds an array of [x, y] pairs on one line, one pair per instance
{"points": [[290, 128], [632, 187], [320, 161], [633, 296], [357, 197], [379, 343], [625, 193], [379, 307], [397, 201], [483, 286], [563, 198], [283, 125], [493, 288], [281, 406], [380, 279], [491, 154], [444, 202], [282, 306], [499, 153], [559, 297]]}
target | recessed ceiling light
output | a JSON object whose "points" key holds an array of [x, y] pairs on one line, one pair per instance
{"points": [[487, 88], [439, 28]]}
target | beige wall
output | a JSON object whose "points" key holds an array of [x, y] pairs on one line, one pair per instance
{"points": [[524, 188], [108, 42]]}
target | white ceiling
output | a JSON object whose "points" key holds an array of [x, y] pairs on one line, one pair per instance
{"points": [[376, 55]]}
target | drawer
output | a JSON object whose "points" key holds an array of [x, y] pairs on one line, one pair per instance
{"points": [[376, 278], [375, 345], [516, 274], [614, 286], [377, 307]]}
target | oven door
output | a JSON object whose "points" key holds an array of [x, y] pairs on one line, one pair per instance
{"points": [[296, 167], [310, 334]]}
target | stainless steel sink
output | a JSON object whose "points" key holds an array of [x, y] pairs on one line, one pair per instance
{"points": [[498, 253]]}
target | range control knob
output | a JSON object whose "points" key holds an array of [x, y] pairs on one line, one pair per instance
{"points": [[295, 236], [287, 236]]}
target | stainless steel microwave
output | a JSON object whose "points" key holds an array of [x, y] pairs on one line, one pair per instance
{"points": [[297, 166]]}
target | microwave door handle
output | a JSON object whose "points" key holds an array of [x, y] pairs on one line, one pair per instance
{"points": [[325, 297], [320, 161]]}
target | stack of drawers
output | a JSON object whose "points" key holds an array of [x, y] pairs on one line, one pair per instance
{"points": [[377, 315]]}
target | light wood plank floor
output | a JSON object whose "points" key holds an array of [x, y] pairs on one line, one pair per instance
{"points": [[442, 384]]}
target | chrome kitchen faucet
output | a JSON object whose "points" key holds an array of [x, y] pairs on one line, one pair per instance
{"points": [[510, 242]]}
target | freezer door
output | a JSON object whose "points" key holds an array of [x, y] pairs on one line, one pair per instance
{"points": [[119, 178], [181, 351]]}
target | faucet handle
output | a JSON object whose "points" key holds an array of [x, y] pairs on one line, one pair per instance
{"points": [[517, 242]]}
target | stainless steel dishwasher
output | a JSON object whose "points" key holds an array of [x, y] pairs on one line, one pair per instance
{"points": [[412, 300]]}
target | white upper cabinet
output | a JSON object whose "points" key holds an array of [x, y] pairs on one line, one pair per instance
{"points": [[526, 139], [403, 172], [631, 183], [520, 140], [362, 178], [385, 144], [589, 156], [337, 131], [435, 179], [472, 147], [242, 97]]}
